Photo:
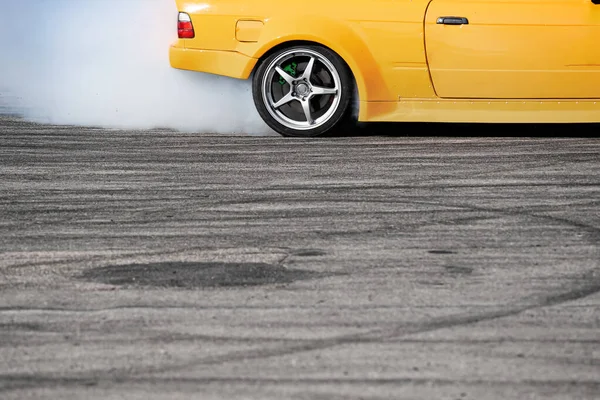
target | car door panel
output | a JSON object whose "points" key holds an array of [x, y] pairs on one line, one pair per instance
{"points": [[534, 49]]}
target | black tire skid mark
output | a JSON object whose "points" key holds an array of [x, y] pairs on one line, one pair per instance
{"points": [[584, 285], [590, 285]]}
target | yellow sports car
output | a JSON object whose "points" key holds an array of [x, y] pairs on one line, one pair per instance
{"points": [[400, 60]]}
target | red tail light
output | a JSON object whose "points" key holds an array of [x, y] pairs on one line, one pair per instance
{"points": [[185, 28]]}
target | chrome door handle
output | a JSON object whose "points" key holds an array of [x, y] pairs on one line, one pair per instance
{"points": [[452, 21]]}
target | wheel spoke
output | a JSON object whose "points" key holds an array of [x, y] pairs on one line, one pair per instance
{"points": [[284, 100], [307, 112], [317, 91], [309, 68], [288, 78]]}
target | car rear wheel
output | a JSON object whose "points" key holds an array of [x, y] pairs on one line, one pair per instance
{"points": [[303, 91]]}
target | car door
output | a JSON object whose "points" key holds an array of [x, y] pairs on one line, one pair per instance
{"points": [[514, 49]]}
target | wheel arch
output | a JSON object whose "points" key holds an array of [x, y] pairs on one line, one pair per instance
{"points": [[291, 43], [334, 35]]}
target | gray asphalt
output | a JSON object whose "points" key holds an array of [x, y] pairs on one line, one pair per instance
{"points": [[383, 265]]}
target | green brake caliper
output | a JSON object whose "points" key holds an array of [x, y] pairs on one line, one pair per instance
{"points": [[290, 69]]}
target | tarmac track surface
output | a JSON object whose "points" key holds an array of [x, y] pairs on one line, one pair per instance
{"points": [[175, 265]]}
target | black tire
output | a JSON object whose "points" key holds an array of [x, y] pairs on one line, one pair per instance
{"points": [[328, 73]]}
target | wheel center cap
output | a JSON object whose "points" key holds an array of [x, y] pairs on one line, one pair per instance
{"points": [[302, 89]]}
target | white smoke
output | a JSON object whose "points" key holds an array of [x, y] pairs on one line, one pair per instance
{"points": [[105, 63]]}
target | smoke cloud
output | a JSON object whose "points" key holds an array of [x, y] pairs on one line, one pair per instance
{"points": [[105, 63]]}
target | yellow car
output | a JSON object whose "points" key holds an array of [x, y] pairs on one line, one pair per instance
{"points": [[313, 61]]}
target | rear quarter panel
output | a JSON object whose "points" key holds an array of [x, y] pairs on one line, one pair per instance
{"points": [[381, 40]]}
